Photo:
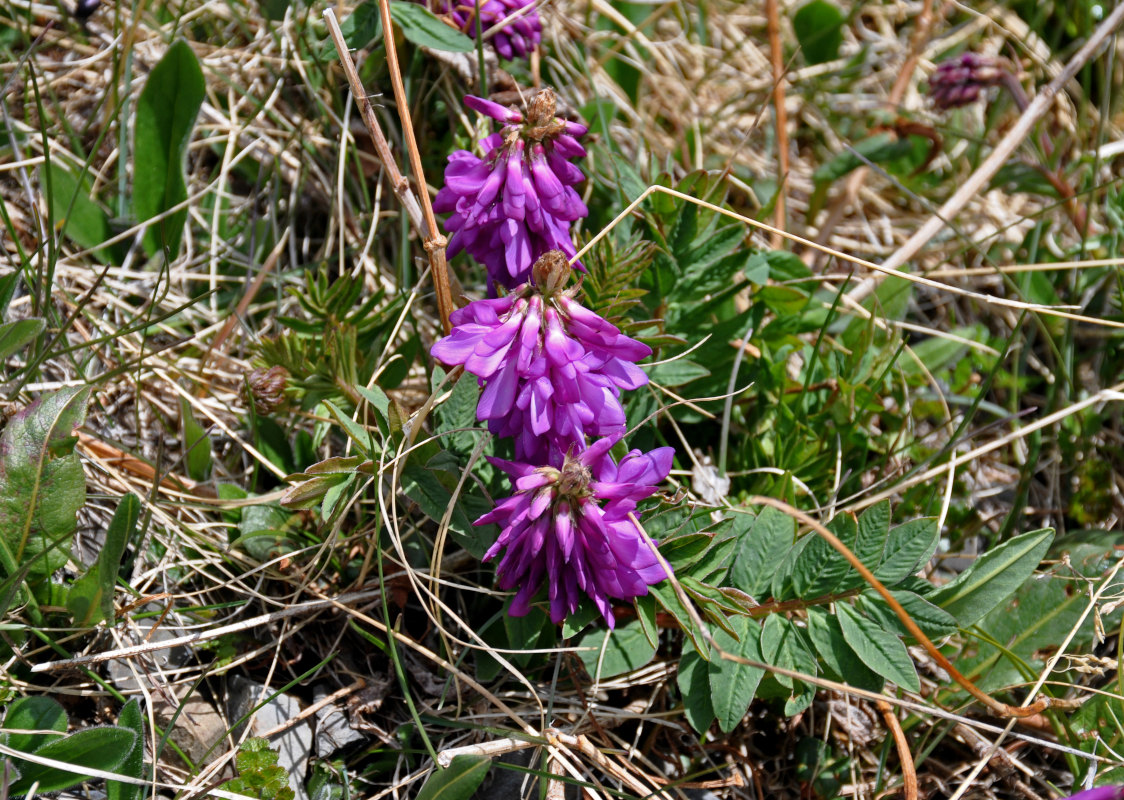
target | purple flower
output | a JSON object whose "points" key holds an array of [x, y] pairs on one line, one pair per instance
{"points": [[958, 81], [568, 524], [519, 34], [517, 202], [1102, 793], [552, 370]]}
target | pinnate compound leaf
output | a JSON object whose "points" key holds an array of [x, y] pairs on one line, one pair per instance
{"points": [[32, 714], [42, 485], [458, 781], [908, 548], [421, 27], [766, 540], [820, 568], [783, 645], [165, 117], [934, 622], [993, 577], [132, 719], [732, 685], [101, 748], [91, 597], [841, 662], [879, 649]]}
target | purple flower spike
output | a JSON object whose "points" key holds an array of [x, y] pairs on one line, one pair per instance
{"points": [[552, 370], [568, 524], [958, 81], [517, 202], [521, 27]]}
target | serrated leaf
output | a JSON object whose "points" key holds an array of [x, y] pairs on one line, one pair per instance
{"points": [[422, 28], [102, 748], [32, 714], [765, 542], [908, 548], [733, 685], [91, 597], [993, 577], [165, 117], [693, 680], [881, 651], [14, 336], [457, 781], [132, 719], [42, 485], [626, 648]]}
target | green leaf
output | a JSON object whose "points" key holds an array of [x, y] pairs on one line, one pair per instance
{"points": [[875, 149], [101, 748], [422, 28], [132, 719], [33, 714], [693, 680], [842, 663], [732, 685], [458, 781], [14, 336], [42, 485], [819, 569], [423, 487], [908, 548], [91, 597], [676, 373], [73, 209], [934, 622], [625, 648], [880, 650], [993, 577], [766, 542], [165, 117], [819, 30], [197, 445]]}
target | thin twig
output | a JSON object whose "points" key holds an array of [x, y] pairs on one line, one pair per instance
{"points": [[434, 242], [420, 214]]}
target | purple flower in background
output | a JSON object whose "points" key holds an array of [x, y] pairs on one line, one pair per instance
{"points": [[958, 81], [521, 29], [568, 524], [1102, 793], [517, 202], [552, 370]]}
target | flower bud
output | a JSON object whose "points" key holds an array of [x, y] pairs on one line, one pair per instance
{"points": [[551, 272], [266, 388]]}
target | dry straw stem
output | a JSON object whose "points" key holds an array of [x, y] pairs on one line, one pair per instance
{"points": [[1052, 311], [776, 58], [909, 770], [1041, 103], [421, 216]]}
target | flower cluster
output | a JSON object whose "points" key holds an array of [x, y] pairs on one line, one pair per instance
{"points": [[959, 81], [553, 372], [519, 27], [517, 202], [555, 526]]}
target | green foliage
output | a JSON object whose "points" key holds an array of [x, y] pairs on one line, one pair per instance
{"points": [[90, 599], [818, 26], [42, 486], [165, 118], [259, 775], [101, 748], [457, 781], [422, 28]]}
